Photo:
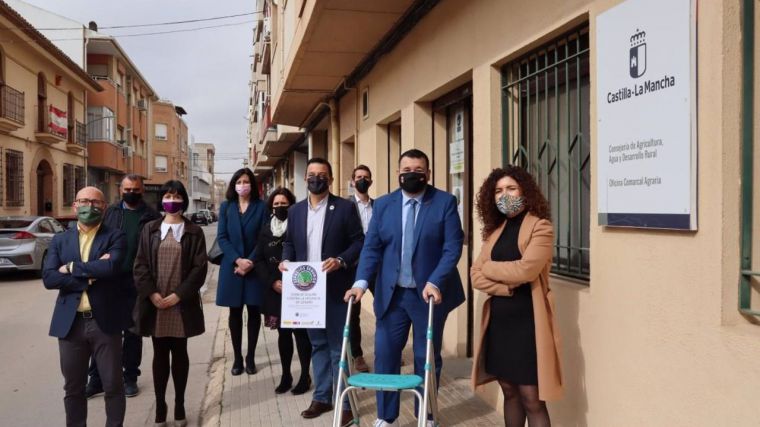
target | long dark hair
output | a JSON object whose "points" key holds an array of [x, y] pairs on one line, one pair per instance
{"points": [[489, 214], [232, 195], [281, 191]]}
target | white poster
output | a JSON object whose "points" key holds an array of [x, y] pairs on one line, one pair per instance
{"points": [[304, 293], [456, 147], [646, 114]]}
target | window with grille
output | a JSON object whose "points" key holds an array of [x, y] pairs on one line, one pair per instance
{"points": [[79, 179], [545, 96], [160, 164], [14, 178], [69, 184]]}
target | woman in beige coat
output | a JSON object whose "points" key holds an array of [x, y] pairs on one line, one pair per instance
{"points": [[519, 345]]}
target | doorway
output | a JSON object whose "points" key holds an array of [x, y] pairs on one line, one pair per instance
{"points": [[44, 188]]}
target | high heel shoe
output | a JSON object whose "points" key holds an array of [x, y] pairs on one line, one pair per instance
{"points": [[237, 367], [250, 366], [304, 384], [285, 384]]}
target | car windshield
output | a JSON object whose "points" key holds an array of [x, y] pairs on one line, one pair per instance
{"points": [[14, 223]]}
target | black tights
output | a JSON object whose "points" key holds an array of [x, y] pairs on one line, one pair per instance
{"points": [[179, 366], [236, 332], [285, 345], [521, 401]]}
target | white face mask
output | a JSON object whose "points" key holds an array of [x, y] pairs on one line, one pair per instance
{"points": [[510, 205]]}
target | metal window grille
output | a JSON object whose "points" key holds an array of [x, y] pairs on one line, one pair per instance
{"points": [[68, 184], [1, 178], [545, 96], [79, 179], [14, 178]]}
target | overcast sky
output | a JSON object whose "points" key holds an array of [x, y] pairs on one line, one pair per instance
{"points": [[205, 71]]}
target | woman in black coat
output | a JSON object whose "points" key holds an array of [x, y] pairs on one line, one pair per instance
{"points": [[268, 255], [169, 271]]}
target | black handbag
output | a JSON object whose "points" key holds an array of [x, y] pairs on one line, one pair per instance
{"points": [[215, 254]]}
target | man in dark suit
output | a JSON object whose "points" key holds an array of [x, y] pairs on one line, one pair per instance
{"points": [[89, 315], [129, 214], [361, 180], [412, 248], [325, 228]]}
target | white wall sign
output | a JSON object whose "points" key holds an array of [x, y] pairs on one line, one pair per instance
{"points": [[304, 293], [646, 114]]}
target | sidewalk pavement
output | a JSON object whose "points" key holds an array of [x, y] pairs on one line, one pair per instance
{"points": [[250, 400]]}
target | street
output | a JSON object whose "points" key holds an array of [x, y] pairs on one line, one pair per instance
{"points": [[32, 384]]}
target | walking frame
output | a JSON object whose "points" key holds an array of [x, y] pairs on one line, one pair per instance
{"points": [[387, 382]]}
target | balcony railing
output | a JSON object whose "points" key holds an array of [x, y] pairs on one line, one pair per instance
{"points": [[81, 134], [102, 129], [11, 104]]}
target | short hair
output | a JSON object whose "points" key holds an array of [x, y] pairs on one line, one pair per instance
{"points": [[174, 187], [415, 154], [281, 191], [232, 195], [361, 168], [320, 161], [133, 177]]}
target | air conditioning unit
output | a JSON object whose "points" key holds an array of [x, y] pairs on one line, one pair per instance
{"points": [[267, 29], [142, 105], [127, 151]]}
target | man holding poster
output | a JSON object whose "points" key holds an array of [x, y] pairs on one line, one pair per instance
{"points": [[326, 230]]}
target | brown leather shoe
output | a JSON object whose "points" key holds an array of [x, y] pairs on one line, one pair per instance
{"points": [[346, 418], [316, 409], [360, 365]]}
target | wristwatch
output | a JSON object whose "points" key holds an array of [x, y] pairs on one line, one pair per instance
{"points": [[341, 261]]}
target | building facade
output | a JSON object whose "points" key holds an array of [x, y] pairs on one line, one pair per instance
{"points": [[43, 94], [202, 173], [656, 326], [171, 153]]}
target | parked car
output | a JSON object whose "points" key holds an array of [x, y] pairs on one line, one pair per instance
{"points": [[67, 221], [24, 241], [199, 218], [208, 214]]}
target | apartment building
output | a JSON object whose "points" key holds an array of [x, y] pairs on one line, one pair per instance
{"points": [[202, 173], [658, 320], [43, 154], [278, 152], [170, 150]]}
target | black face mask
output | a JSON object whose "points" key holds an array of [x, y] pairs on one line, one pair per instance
{"points": [[412, 182], [132, 198], [362, 185], [280, 212], [316, 184]]}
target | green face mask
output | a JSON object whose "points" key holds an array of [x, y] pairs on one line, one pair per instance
{"points": [[89, 215]]}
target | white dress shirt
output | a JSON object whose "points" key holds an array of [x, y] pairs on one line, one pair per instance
{"points": [[365, 212], [315, 225]]}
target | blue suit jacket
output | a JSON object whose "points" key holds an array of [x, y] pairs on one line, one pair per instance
{"points": [[237, 236], [342, 237], [438, 239], [106, 294]]}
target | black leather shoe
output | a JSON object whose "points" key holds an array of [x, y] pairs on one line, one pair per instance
{"points": [[285, 384], [250, 369], [304, 384], [237, 368], [131, 389], [316, 409], [91, 390]]}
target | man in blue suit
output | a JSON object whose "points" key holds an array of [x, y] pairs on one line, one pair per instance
{"points": [[325, 228], [412, 246], [83, 264]]}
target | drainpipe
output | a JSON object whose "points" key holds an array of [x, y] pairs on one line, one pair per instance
{"points": [[335, 145], [84, 119]]}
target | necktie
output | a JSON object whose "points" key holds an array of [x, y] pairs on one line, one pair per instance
{"points": [[405, 279]]}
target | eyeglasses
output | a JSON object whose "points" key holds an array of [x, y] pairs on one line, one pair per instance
{"points": [[90, 202]]}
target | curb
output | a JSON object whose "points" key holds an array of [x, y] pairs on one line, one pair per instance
{"points": [[211, 408]]}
